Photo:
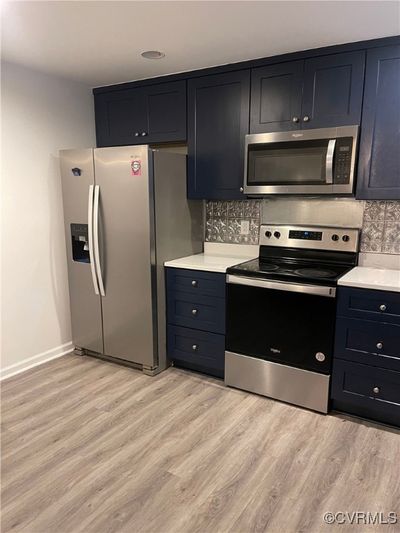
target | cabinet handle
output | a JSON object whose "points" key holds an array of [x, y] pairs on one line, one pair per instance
{"points": [[382, 307], [194, 283], [136, 134], [194, 347], [379, 346], [306, 118], [295, 119], [241, 189], [194, 312], [144, 134], [376, 390]]}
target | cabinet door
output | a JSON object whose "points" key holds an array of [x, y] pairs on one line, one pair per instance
{"points": [[197, 350], [276, 93], [151, 114], [218, 121], [379, 160], [121, 117], [333, 90], [166, 112], [366, 391]]}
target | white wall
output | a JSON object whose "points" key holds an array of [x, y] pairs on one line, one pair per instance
{"points": [[40, 115]]}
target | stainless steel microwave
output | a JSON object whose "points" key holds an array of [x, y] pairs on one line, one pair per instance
{"points": [[320, 161]]}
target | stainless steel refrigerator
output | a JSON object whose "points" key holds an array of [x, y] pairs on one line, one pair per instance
{"points": [[125, 212]]}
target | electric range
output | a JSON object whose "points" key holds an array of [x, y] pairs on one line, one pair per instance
{"points": [[281, 311]]}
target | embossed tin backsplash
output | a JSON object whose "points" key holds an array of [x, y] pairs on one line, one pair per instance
{"points": [[224, 221], [238, 222]]}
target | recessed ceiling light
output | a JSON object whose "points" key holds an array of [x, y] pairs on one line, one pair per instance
{"points": [[152, 54]]}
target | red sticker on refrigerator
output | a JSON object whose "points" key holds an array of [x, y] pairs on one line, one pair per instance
{"points": [[136, 167]]}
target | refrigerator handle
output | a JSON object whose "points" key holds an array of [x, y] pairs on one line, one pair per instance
{"points": [[96, 239], [90, 231]]}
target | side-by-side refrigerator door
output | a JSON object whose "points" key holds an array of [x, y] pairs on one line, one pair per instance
{"points": [[78, 185], [123, 209]]}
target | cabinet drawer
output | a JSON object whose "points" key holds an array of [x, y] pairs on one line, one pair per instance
{"points": [[202, 312], [198, 350], [366, 391], [196, 282], [381, 306], [367, 342]]}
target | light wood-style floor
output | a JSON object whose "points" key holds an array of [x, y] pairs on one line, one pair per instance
{"points": [[89, 446]]}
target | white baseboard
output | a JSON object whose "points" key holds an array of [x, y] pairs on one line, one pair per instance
{"points": [[38, 359]]}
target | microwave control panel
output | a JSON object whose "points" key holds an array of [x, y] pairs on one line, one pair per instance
{"points": [[342, 161]]}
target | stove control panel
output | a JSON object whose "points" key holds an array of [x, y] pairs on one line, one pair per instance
{"points": [[312, 237], [306, 235]]}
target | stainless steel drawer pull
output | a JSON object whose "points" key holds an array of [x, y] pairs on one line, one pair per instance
{"points": [[194, 347], [194, 312], [379, 345], [194, 283], [376, 390], [382, 307]]}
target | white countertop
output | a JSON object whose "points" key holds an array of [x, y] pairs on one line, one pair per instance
{"points": [[381, 279], [214, 262], [207, 262]]}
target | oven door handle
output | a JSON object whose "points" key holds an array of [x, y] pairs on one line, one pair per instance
{"points": [[317, 290], [329, 161]]}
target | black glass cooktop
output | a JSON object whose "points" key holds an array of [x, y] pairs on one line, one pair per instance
{"points": [[293, 271]]}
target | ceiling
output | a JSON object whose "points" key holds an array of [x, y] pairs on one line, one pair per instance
{"points": [[99, 42]]}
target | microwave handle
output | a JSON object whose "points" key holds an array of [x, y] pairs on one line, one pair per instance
{"points": [[329, 161]]}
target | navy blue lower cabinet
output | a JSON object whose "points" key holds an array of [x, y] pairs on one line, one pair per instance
{"points": [[368, 304], [367, 342], [366, 391], [197, 350], [203, 312], [196, 320], [196, 282]]}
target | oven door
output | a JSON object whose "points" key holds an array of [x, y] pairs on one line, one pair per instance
{"points": [[287, 323]]}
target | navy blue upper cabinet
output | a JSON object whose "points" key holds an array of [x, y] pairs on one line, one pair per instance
{"points": [[379, 159], [333, 90], [150, 114], [276, 94], [218, 120], [321, 92]]}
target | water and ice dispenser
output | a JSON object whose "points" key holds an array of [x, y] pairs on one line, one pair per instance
{"points": [[80, 243]]}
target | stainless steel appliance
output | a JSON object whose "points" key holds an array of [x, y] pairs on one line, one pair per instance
{"points": [[280, 313], [320, 161], [125, 212]]}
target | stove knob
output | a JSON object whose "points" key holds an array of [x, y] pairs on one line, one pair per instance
{"points": [[268, 234], [335, 237], [277, 234], [319, 356], [345, 238]]}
